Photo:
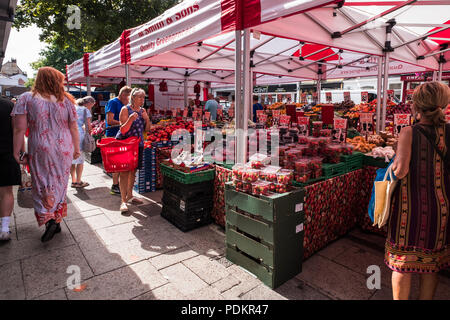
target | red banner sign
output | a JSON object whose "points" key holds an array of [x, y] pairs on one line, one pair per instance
{"points": [[409, 95], [400, 121], [340, 130], [390, 94], [303, 125], [276, 114], [364, 96], [366, 121], [285, 120]]}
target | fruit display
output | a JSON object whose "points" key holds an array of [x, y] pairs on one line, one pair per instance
{"points": [[332, 153], [379, 152], [375, 139], [344, 105], [401, 108], [360, 144], [165, 131], [317, 128], [98, 128], [238, 171], [261, 188], [276, 106], [280, 188], [285, 176], [269, 173], [250, 175]]}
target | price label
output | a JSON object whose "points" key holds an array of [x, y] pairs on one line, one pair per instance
{"points": [[303, 125], [340, 130], [346, 96], [262, 118], [285, 120], [276, 114], [409, 95], [207, 115], [365, 96], [259, 113], [390, 94], [315, 95], [328, 97], [401, 121], [303, 97], [366, 120]]}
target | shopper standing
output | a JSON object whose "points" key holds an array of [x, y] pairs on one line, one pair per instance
{"points": [[9, 168], [212, 106], [53, 143], [112, 111], [418, 233], [256, 106], [84, 106], [133, 121]]}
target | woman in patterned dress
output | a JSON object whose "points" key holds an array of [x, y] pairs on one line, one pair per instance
{"points": [[53, 143], [133, 121], [418, 233]]}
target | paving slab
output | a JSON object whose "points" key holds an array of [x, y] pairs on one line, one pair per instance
{"points": [[333, 279], [76, 195], [186, 282], [208, 293], [172, 257], [336, 248], [95, 222], [33, 231], [12, 286], [26, 216], [74, 214], [47, 272], [204, 240], [226, 283], [165, 292], [117, 233], [118, 218], [208, 270], [59, 294], [155, 196], [370, 238], [262, 292], [121, 284], [296, 289]]}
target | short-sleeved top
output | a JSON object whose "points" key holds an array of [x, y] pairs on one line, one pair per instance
{"points": [[83, 113], [211, 106], [137, 127], [256, 106], [114, 106], [6, 131]]}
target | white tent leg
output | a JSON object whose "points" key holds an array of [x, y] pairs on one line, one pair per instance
{"points": [[434, 75], [385, 88], [239, 110], [185, 93], [127, 75], [379, 84], [246, 78], [88, 85], [319, 88]]}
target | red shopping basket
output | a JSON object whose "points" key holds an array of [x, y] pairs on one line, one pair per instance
{"points": [[119, 155]]}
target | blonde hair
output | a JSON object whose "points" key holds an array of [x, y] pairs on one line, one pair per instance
{"points": [[85, 100], [430, 99], [136, 92], [125, 90]]}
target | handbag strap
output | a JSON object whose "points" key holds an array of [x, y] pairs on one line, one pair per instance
{"points": [[438, 151]]}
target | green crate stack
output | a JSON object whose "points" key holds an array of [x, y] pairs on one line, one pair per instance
{"points": [[331, 170], [353, 161], [187, 178], [307, 183], [374, 162], [265, 235]]}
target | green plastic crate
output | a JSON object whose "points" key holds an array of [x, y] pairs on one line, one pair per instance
{"points": [[187, 178], [354, 161], [374, 162], [308, 183], [331, 170], [265, 235]]}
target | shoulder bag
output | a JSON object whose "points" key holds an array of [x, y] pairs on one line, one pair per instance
{"points": [[88, 141], [383, 195]]}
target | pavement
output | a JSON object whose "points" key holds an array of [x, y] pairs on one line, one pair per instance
{"points": [[144, 257]]}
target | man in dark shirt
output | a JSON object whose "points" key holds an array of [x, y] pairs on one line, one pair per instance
{"points": [[9, 168], [256, 106], [112, 111]]}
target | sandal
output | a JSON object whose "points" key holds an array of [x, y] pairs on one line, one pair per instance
{"points": [[135, 200], [74, 184], [82, 184]]}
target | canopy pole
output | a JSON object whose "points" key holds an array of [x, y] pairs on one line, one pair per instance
{"points": [[388, 48], [319, 87], [434, 75], [127, 74], [185, 93], [379, 84], [88, 85], [441, 63], [239, 110], [246, 79]]}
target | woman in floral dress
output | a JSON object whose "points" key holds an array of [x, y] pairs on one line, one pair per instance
{"points": [[53, 143]]}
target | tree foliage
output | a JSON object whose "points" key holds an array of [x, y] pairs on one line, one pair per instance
{"points": [[102, 21], [52, 56]]}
